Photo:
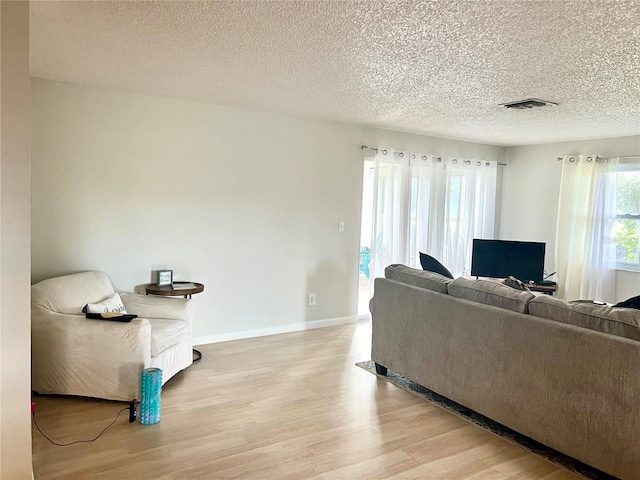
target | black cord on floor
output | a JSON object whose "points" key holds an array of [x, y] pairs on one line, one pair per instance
{"points": [[33, 414], [197, 355]]}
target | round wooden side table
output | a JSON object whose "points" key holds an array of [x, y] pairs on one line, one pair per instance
{"points": [[174, 290]]}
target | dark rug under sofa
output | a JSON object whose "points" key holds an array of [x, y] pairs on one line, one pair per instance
{"points": [[537, 448]]}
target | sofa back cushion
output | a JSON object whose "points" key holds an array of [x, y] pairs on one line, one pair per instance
{"points": [[491, 293], [622, 322], [417, 278]]}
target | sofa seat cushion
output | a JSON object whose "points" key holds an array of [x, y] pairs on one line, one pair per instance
{"points": [[166, 333], [622, 322], [417, 278], [491, 293]]}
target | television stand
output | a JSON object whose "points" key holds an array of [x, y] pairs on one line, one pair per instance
{"points": [[546, 289]]}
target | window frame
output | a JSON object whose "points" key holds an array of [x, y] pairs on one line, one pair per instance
{"points": [[628, 167]]}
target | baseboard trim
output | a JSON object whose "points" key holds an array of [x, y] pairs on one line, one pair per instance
{"points": [[263, 332]]}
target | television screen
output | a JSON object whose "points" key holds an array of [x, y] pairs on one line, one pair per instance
{"points": [[501, 258]]}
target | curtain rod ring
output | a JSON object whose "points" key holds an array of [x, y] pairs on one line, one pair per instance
{"points": [[424, 157], [455, 160], [401, 154], [479, 163], [589, 159], [439, 159], [384, 152], [572, 159]]}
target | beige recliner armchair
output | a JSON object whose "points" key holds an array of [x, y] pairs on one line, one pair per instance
{"points": [[73, 355]]}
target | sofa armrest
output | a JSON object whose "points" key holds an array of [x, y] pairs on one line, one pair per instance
{"points": [[150, 306], [77, 356]]}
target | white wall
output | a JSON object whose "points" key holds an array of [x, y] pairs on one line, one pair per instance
{"points": [[15, 313], [247, 203], [531, 185]]}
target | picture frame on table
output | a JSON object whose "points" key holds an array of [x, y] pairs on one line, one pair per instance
{"points": [[165, 278]]}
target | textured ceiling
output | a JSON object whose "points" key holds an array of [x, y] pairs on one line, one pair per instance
{"points": [[434, 67]]}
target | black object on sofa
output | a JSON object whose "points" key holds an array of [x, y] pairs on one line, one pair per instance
{"points": [[433, 265]]}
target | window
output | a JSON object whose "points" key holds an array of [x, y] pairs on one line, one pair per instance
{"points": [[628, 216]]}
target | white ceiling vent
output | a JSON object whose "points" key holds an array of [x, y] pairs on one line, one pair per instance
{"points": [[528, 103]]}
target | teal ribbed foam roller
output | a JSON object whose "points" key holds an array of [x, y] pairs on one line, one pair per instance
{"points": [[150, 389]]}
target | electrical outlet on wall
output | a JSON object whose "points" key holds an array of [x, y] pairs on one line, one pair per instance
{"points": [[312, 299]]}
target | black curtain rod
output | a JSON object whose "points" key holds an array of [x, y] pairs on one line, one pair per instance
{"points": [[621, 156], [364, 147], [598, 156]]}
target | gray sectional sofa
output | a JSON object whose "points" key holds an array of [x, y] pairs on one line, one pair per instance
{"points": [[565, 374]]}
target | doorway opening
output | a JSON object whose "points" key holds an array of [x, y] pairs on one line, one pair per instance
{"points": [[365, 280]]}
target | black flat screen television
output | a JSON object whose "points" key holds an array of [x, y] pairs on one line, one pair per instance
{"points": [[501, 258]]}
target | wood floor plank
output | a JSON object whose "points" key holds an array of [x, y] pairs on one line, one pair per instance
{"points": [[290, 406], [381, 466]]}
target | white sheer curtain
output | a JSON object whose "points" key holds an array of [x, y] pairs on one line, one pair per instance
{"points": [[428, 204], [469, 211], [585, 235], [390, 204], [434, 205]]}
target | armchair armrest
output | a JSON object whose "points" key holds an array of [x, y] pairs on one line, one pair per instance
{"points": [[149, 306], [76, 356]]}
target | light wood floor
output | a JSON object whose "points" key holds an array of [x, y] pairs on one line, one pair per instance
{"points": [[290, 406]]}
